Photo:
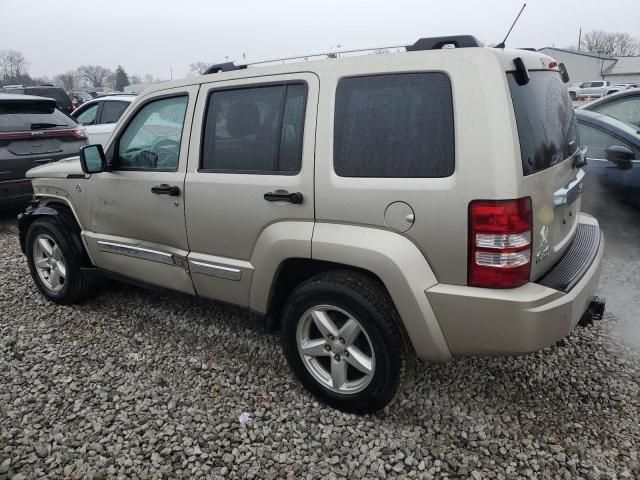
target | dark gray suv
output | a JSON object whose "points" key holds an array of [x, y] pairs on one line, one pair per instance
{"points": [[32, 132]]}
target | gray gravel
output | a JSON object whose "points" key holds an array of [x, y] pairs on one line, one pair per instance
{"points": [[144, 385]]}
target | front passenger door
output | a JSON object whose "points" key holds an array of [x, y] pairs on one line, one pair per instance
{"points": [[136, 211]]}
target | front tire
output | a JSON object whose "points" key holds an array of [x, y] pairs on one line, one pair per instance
{"points": [[54, 263], [344, 340]]}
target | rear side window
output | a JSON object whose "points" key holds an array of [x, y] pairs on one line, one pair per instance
{"points": [[57, 94], [112, 110], [394, 126], [255, 130], [546, 120]]}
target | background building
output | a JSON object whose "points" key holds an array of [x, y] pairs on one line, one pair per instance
{"points": [[585, 66]]}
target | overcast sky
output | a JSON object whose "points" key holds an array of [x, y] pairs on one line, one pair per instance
{"points": [[152, 36]]}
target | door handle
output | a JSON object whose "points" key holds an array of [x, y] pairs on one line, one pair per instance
{"points": [[284, 196], [165, 189]]}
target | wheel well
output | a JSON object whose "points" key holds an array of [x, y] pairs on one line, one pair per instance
{"points": [[67, 219], [291, 273]]}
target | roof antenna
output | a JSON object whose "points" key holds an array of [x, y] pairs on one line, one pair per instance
{"points": [[502, 44]]}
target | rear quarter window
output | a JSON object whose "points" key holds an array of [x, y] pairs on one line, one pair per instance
{"points": [[545, 120], [394, 126]]}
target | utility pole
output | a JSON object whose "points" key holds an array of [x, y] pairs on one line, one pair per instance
{"points": [[171, 72], [580, 38]]}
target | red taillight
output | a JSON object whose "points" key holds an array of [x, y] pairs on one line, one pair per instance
{"points": [[499, 243], [78, 133], [553, 64]]}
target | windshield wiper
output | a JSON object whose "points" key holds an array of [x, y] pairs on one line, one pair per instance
{"points": [[42, 126]]}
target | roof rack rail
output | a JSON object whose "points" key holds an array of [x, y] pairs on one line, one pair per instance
{"points": [[435, 43], [224, 67]]}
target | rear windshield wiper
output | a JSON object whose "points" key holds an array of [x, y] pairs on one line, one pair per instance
{"points": [[42, 126]]}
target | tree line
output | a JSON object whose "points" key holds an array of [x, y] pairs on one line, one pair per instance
{"points": [[14, 70]]}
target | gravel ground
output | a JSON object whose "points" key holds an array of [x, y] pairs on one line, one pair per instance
{"points": [[143, 385]]}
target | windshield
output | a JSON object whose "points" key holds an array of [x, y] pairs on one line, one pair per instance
{"points": [[546, 120], [24, 120]]}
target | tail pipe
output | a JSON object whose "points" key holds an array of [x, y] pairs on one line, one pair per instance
{"points": [[595, 311]]}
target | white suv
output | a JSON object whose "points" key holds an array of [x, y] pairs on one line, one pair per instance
{"points": [[99, 116]]}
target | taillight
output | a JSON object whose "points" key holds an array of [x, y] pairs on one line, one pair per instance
{"points": [[500, 243], [77, 133]]}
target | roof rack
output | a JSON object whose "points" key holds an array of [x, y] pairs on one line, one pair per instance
{"points": [[432, 43], [224, 67], [435, 43]]}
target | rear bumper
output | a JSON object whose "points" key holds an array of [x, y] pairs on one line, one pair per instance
{"points": [[479, 321], [15, 193]]}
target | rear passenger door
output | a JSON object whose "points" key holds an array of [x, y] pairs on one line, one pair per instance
{"points": [[251, 164]]}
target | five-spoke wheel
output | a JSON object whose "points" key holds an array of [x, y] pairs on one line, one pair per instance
{"points": [[336, 349], [49, 262], [345, 341]]}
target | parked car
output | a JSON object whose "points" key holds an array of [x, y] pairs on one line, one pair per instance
{"points": [[618, 87], [362, 204], [623, 106], [100, 115], [32, 132], [78, 98], [63, 102], [613, 154], [595, 88]]}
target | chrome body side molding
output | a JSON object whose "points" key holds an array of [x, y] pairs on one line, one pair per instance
{"points": [[212, 270], [136, 252]]}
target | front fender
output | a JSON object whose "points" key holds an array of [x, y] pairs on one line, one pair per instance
{"points": [[32, 212], [403, 269]]}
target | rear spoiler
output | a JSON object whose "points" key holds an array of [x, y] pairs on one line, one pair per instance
{"points": [[28, 105]]}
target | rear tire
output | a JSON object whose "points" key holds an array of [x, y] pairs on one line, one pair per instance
{"points": [[54, 263], [359, 356]]}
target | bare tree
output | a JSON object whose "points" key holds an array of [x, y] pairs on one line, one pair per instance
{"points": [[198, 68], [95, 75], [606, 43], [626, 45], [67, 80], [12, 64]]}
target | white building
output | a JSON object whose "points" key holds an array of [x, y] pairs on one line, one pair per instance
{"points": [[585, 66]]}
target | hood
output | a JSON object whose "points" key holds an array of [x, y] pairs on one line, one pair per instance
{"points": [[59, 169]]}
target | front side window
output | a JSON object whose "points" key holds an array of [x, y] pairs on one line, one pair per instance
{"points": [[258, 129], [88, 115], [398, 125], [151, 141], [597, 141], [111, 111], [626, 110]]}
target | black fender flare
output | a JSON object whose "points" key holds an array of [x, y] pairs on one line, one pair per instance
{"points": [[62, 217]]}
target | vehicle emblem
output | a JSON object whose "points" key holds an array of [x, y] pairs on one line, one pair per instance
{"points": [[580, 187], [545, 249], [78, 188]]}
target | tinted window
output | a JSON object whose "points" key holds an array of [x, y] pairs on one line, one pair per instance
{"points": [[151, 141], [626, 110], [88, 115], [255, 129], [111, 111], [57, 94], [394, 126], [546, 121], [24, 119]]}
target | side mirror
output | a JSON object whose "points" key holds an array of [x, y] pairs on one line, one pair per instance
{"points": [[620, 155], [92, 159]]}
